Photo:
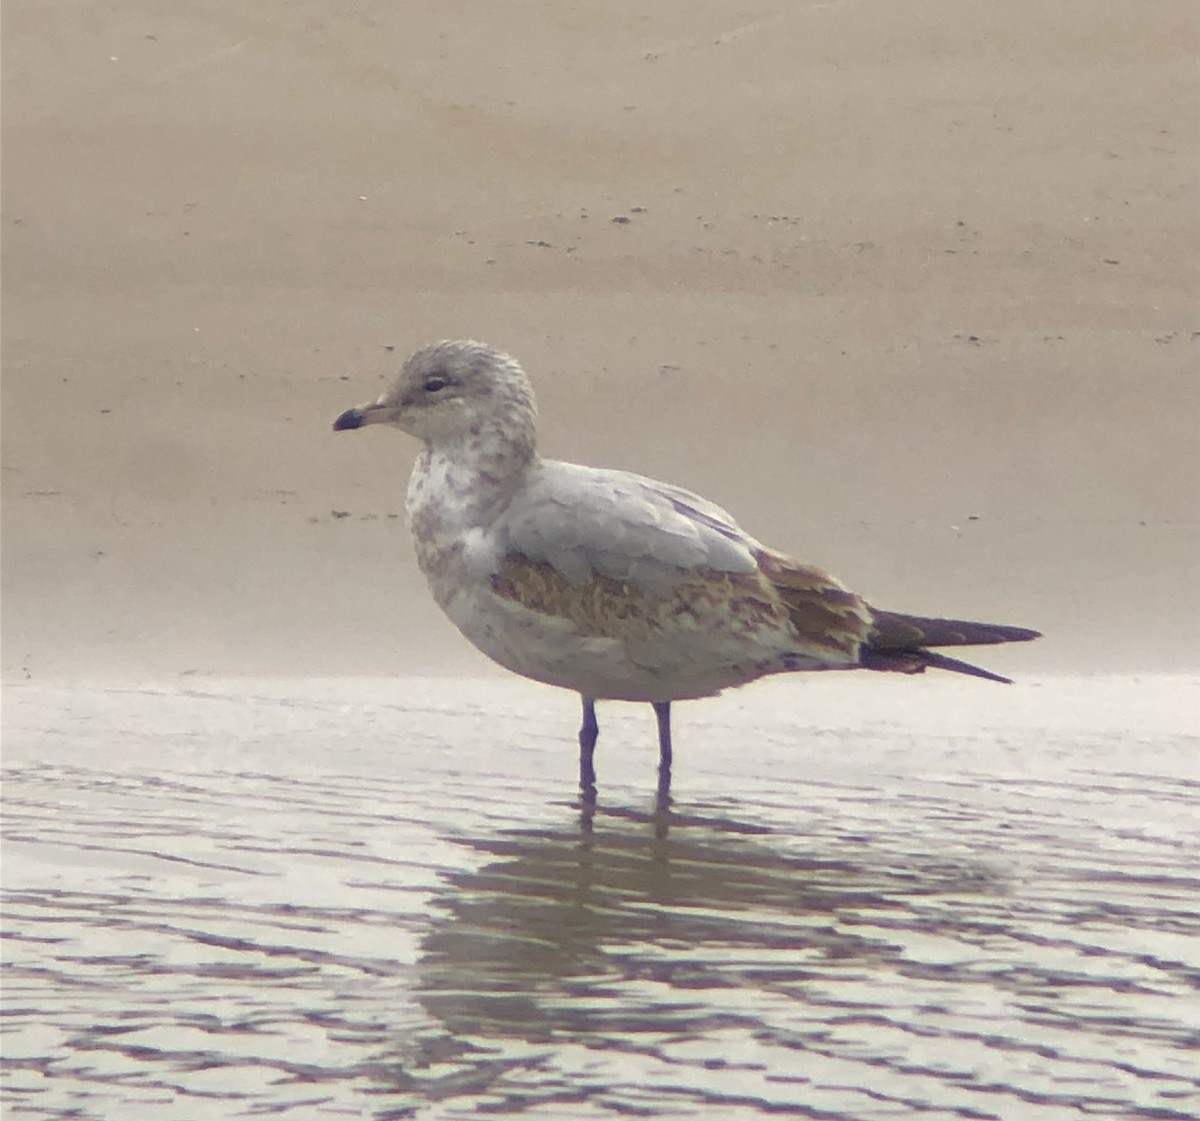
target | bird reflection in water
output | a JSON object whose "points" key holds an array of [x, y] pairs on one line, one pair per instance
{"points": [[632, 932]]}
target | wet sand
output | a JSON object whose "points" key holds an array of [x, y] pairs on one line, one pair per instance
{"points": [[376, 898]]}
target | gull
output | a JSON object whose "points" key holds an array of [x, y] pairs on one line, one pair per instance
{"points": [[611, 584]]}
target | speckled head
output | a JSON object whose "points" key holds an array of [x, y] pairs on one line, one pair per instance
{"points": [[452, 391]]}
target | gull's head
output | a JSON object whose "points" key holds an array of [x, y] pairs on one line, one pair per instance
{"points": [[451, 391]]}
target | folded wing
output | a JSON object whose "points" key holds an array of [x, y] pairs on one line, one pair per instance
{"points": [[585, 523]]}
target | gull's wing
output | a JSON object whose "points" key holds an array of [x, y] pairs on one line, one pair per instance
{"points": [[587, 522], [671, 575]]}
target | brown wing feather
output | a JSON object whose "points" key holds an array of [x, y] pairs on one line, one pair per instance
{"points": [[825, 615], [739, 604]]}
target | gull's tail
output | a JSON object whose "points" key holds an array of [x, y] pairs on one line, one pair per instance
{"points": [[897, 643]]}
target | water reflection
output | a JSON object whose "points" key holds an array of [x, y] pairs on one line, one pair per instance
{"points": [[633, 933], [289, 918]]}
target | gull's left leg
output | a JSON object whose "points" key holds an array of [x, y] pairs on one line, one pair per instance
{"points": [[662, 710]]}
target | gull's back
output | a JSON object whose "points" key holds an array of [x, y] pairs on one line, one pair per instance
{"points": [[589, 522]]}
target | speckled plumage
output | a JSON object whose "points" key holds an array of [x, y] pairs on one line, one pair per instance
{"points": [[605, 582]]}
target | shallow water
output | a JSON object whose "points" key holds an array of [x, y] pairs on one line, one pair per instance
{"points": [[870, 899]]}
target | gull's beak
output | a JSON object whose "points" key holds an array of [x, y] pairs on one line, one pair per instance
{"points": [[374, 413]]}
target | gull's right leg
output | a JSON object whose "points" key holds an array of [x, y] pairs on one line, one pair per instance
{"points": [[662, 712], [589, 732]]}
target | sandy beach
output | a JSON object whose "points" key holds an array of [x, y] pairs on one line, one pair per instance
{"points": [[910, 291]]}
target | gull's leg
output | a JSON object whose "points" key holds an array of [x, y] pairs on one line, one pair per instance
{"points": [[589, 732], [662, 710]]}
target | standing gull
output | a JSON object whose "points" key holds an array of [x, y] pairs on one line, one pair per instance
{"points": [[608, 583]]}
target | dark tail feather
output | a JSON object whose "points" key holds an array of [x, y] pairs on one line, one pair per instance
{"points": [[893, 631], [897, 643]]}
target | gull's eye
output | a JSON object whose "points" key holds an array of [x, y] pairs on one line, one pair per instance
{"points": [[433, 384]]}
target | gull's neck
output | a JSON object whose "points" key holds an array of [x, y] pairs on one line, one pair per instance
{"points": [[465, 480]]}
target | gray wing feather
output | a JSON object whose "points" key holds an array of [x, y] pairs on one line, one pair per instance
{"points": [[627, 527]]}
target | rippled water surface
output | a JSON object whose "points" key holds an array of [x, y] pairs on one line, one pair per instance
{"points": [[871, 899]]}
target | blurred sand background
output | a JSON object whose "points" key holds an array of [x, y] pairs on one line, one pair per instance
{"points": [[910, 288]]}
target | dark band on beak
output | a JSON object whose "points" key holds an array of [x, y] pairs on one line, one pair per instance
{"points": [[351, 418]]}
